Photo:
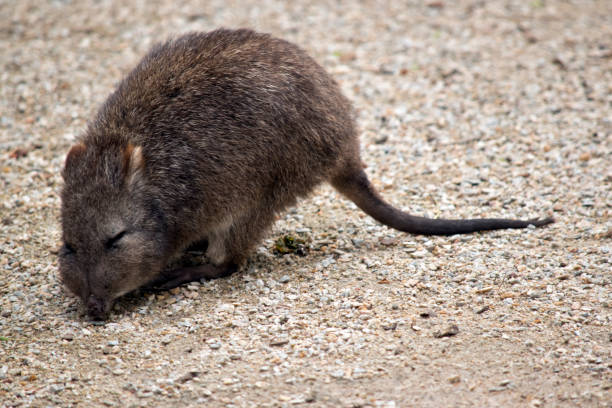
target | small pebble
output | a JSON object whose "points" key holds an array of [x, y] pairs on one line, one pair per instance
{"points": [[455, 379], [448, 331], [337, 374], [482, 309], [279, 342]]}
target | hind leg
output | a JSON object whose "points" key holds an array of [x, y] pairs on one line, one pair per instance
{"points": [[198, 246], [228, 245], [244, 234], [220, 264], [177, 277]]}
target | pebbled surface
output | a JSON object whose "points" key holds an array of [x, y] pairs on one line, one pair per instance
{"points": [[467, 108]]}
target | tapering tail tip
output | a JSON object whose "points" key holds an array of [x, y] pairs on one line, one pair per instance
{"points": [[537, 222]]}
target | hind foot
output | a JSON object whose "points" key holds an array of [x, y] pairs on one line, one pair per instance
{"points": [[172, 279]]}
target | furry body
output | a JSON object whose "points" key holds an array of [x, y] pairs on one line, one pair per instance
{"points": [[208, 138]]}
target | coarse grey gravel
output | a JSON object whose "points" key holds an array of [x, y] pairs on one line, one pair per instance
{"points": [[466, 108]]}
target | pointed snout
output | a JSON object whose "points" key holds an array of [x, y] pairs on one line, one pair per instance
{"points": [[98, 308]]}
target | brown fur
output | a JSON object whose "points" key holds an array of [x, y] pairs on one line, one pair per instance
{"points": [[208, 138]]}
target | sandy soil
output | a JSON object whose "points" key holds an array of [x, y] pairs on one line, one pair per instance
{"points": [[467, 108]]}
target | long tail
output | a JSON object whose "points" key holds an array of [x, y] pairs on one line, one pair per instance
{"points": [[358, 189]]}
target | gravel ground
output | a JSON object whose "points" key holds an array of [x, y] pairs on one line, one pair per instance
{"points": [[467, 108]]}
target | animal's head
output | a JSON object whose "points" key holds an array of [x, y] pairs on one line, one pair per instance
{"points": [[113, 231]]}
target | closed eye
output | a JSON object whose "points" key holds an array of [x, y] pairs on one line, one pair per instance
{"points": [[113, 243]]}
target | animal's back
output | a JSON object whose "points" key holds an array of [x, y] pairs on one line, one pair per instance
{"points": [[232, 118]]}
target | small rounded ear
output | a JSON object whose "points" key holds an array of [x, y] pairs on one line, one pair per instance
{"points": [[75, 154], [133, 163]]}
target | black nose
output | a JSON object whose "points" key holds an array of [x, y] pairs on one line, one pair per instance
{"points": [[96, 308]]}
